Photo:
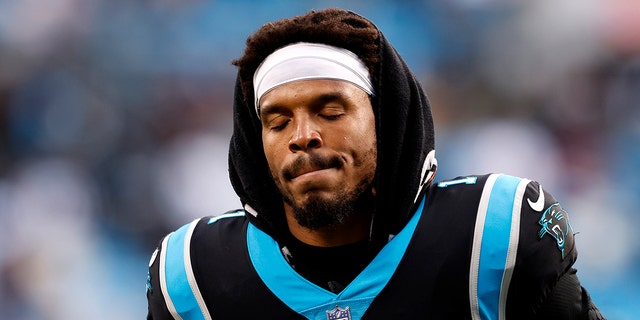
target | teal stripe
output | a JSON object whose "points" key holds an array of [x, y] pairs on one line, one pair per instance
{"points": [[176, 277], [495, 245], [313, 301]]}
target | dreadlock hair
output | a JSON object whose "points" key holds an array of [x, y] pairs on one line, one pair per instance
{"points": [[336, 27]]}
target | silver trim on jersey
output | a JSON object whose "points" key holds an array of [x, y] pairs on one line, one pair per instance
{"points": [[477, 244], [514, 239], [512, 247], [193, 284]]}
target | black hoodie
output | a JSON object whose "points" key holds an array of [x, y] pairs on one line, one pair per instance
{"points": [[404, 129]]}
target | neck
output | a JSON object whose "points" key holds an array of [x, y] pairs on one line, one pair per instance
{"points": [[355, 228]]}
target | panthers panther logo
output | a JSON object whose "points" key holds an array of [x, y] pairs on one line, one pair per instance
{"points": [[555, 222]]}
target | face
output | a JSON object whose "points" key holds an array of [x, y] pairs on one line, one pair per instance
{"points": [[319, 139]]}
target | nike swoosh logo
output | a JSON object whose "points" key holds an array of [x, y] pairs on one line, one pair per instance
{"points": [[539, 204]]}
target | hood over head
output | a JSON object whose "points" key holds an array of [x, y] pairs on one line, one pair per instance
{"points": [[405, 161]]}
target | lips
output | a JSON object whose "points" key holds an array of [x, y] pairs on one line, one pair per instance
{"points": [[310, 163]]}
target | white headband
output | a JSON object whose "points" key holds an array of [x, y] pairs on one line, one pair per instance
{"points": [[305, 61]]}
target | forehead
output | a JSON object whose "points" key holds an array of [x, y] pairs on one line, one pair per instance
{"points": [[307, 91]]}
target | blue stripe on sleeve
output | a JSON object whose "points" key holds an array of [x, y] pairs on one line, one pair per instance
{"points": [[176, 277], [495, 245]]}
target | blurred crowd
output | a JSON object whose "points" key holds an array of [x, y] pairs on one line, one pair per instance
{"points": [[115, 118]]}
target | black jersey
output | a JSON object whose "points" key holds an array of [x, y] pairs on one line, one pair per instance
{"points": [[477, 247]]}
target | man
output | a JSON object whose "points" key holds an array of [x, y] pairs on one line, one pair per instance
{"points": [[332, 156]]}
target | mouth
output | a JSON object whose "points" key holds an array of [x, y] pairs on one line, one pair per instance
{"points": [[310, 165], [310, 174]]}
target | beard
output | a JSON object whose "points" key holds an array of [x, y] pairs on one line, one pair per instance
{"points": [[319, 212]]}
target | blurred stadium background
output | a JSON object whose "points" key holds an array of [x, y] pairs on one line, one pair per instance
{"points": [[115, 118]]}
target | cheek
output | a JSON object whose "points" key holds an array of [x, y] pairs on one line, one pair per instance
{"points": [[270, 152], [367, 157], [369, 144], [275, 151], [364, 145], [366, 133]]}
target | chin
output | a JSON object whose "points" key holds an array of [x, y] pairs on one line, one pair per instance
{"points": [[321, 210]]}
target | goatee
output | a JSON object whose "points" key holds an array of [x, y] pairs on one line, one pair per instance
{"points": [[319, 212]]}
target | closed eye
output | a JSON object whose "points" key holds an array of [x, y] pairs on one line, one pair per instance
{"points": [[275, 121], [332, 116], [279, 126]]}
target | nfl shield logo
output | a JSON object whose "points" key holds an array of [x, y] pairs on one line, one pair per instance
{"points": [[339, 314]]}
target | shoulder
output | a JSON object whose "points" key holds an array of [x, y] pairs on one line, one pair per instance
{"points": [[480, 190], [220, 227], [201, 234], [461, 190], [518, 225], [541, 222], [208, 231], [182, 255]]}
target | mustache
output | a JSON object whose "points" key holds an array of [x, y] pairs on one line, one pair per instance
{"points": [[310, 162]]}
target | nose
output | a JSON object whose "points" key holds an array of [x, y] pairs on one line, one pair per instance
{"points": [[305, 137]]}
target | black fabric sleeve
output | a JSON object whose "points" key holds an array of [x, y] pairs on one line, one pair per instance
{"points": [[544, 283], [569, 300]]}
